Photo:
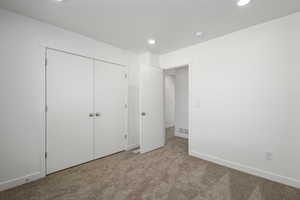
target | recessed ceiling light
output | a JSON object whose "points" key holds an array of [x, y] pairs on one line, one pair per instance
{"points": [[199, 34], [243, 2], [59, 0], [151, 41]]}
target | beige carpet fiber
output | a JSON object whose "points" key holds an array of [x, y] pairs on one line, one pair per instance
{"points": [[167, 173]]}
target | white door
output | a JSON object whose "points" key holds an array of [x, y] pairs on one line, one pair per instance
{"points": [[151, 108], [70, 101], [110, 108]]}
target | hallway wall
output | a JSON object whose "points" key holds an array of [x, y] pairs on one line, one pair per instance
{"points": [[182, 102], [169, 100]]}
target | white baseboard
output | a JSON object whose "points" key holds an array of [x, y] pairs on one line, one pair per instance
{"points": [[132, 146], [257, 172], [177, 134], [20, 181]]}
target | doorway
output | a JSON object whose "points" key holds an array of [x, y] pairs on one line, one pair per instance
{"points": [[163, 107], [176, 103]]}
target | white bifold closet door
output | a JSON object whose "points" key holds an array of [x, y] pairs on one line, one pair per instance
{"points": [[69, 100], [110, 108], [86, 117]]}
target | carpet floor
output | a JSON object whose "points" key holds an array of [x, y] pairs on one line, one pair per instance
{"points": [[164, 174]]}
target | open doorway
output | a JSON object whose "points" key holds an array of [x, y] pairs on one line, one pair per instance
{"points": [[176, 104]]}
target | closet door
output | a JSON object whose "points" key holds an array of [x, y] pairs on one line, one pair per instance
{"points": [[70, 102], [110, 100]]}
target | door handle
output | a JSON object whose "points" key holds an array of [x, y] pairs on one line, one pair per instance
{"points": [[91, 115], [98, 114], [143, 114]]}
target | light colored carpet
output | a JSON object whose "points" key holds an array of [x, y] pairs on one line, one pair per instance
{"points": [[167, 173]]}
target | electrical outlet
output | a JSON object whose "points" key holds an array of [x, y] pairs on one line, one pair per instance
{"points": [[269, 156]]}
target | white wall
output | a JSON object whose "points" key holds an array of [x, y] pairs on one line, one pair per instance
{"points": [[22, 90], [245, 99], [181, 102], [169, 100]]}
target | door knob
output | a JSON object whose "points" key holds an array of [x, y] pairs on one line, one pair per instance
{"points": [[91, 115], [98, 114], [143, 114]]}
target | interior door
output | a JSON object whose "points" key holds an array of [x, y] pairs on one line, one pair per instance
{"points": [[110, 108], [151, 107], [70, 102]]}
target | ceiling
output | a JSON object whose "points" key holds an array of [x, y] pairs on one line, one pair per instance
{"points": [[173, 23]]}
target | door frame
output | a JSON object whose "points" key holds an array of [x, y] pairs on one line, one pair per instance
{"points": [[189, 66], [44, 50]]}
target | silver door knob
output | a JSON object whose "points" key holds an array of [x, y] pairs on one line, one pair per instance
{"points": [[143, 114], [98, 114], [91, 115]]}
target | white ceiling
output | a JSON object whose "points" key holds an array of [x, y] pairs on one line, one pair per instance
{"points": [[129, 23]]}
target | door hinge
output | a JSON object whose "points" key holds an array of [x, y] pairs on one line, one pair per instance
{"points": [[46, 62], [125, 136], [125, 75], [46, 154], [46, 108], [126, 106]]}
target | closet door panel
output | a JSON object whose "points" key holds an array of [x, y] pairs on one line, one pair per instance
{"points": [[69, 100], [110, 100]]}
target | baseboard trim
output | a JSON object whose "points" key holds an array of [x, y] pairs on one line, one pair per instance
{"points": [[132, 146], [177, 134], [253, 171], [20, 181]]}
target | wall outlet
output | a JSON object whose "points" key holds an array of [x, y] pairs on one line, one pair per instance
{"points": [[269, 156]]}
